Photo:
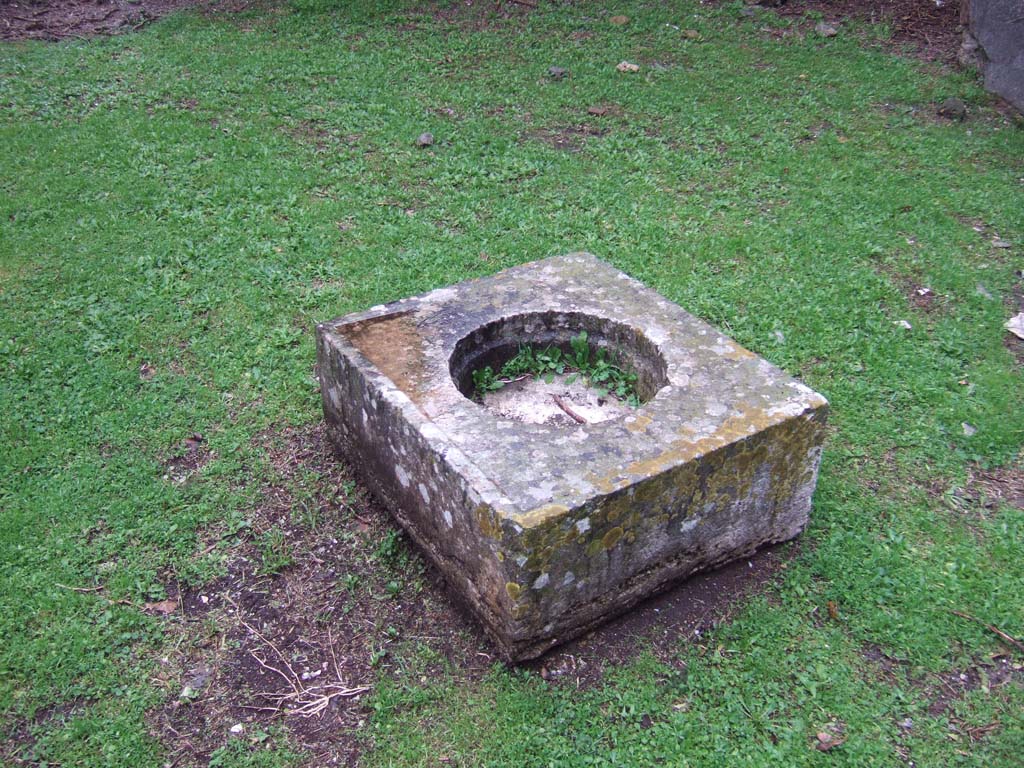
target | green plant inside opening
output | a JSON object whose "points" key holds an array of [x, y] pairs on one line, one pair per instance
{"points": [[598, 369]]}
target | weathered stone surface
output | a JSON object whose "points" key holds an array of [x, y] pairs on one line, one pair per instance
{"points": [[995, 38], [546, 530]]}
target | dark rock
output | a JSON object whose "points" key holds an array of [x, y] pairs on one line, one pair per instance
{"points": [[953, 109], [425, 139]]}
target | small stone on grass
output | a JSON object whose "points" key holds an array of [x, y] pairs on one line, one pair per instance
{"points": [[557, 73], [425, 139], [824, 29], [953, 109]]}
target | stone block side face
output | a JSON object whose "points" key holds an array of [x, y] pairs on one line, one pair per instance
{"points": [[996, 31], [579, 568], [390, 448]]}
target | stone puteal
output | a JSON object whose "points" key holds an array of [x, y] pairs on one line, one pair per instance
{"points": [[548, 529]]}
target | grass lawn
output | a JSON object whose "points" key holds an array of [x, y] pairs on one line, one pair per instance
{"points": [[179, 206]]}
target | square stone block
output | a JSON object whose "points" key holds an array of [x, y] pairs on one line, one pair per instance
{"points": [[547, 529]]}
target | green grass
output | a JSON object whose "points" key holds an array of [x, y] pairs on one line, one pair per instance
{"points": [[193, 197]]}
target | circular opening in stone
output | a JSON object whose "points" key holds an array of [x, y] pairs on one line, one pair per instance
{"points": [[562, 399]]}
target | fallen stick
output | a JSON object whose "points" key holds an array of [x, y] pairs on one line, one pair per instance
{"points": [[564, 406], [1009, 639], [86, 590], [79, 589]]}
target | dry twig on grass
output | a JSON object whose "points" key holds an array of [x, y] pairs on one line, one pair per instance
{"points": [[301, 699], [1008, 639]]}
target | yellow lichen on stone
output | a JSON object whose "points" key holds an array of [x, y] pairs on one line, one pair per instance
{"points": [[738, 353], [638, 423], [513, 590], [537, 516], [612, 537], [488, 522]]}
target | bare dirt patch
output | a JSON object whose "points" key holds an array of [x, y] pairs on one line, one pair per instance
{"points": [[943, 691], [930, 29], [572, 138], [62, 19], [994, 487], [191, 456], [481, 15]]}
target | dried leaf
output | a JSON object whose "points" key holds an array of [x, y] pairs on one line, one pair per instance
{"points": [[827, 741], [628, 66], [163, 608], [619, 20], [600, 110], [1015, 325]]}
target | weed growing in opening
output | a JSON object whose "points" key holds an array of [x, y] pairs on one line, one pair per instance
{"points": [[599, 369]]}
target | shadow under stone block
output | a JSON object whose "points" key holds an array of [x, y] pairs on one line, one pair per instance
{"points": [[548, 529]]}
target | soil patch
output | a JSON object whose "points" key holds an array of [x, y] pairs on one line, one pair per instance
{"points": [[192, 455], [943, 691], [63, 19], [572, 138], [996, 487], [931, 29], [480, 15]]}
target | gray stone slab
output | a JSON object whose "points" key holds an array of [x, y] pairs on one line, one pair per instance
{"points": [[995, 35], [545, 530]]}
